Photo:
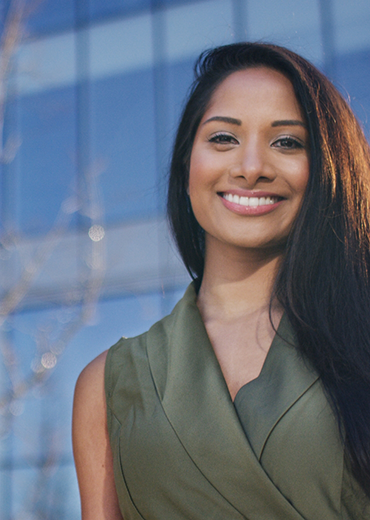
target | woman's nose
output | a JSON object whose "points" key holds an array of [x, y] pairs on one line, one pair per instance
{"points": [[253, 164]]}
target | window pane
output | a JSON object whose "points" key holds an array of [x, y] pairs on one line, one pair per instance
{"points": [[48, 493], [351, 25], [51, 15], [181, 77], [199, 26], [47, 160], [353, 78], [123, 128], [295, 25], [101, 8]]}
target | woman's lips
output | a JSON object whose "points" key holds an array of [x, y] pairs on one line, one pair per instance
{"points": [[254, 205]]}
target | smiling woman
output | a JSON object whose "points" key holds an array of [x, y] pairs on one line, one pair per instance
{"points": [[249, 159], [252, 399]]}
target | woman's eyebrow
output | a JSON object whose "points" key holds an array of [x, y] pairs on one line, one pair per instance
{"points": [[288, 122], [224, 119], [233, 121]]}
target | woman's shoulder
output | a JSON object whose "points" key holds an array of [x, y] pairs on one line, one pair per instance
{"points": [[91, 448], [90, 382], [89, 408], [94, 370]]}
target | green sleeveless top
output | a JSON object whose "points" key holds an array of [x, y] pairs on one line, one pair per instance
{"points": [[182, 450]]}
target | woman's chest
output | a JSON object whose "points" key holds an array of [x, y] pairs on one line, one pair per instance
{"points": [[241, 349]]}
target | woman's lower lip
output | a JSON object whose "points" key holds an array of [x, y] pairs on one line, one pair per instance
{"points": [[250, 210]]}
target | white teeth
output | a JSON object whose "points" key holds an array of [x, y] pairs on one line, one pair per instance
{"points": [[250, 201]]}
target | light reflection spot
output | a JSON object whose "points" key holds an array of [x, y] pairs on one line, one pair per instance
{"points": [[48, 360], [96, 233]]}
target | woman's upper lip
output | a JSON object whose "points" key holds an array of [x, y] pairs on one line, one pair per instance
{"points": [[251, 193]]}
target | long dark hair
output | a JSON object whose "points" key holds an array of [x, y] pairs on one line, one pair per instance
{"points": [[323, 283]]}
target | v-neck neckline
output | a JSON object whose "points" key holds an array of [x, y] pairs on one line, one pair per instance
{"points": [[266, 363], [284, 378], [196, 401]]}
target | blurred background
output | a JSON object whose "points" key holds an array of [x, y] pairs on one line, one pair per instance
{"points": [[90, 93]]}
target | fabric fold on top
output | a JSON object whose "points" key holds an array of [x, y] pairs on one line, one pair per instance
{"points": [[182, 449], [198, 405], [284, 378]]}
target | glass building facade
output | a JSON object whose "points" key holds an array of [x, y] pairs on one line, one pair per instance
{"points": [[93, 91]]}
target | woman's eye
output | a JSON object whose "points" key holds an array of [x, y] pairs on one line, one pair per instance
{"points": [[223, 139], [288, 143]]}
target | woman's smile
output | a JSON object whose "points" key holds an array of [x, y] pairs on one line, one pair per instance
{"points": [[251, 204], [249, 164]]}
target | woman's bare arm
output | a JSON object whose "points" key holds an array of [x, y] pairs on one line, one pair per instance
{"points": [[91, 448]]}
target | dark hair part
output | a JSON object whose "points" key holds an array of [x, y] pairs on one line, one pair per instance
{"points": [[323, 282]]}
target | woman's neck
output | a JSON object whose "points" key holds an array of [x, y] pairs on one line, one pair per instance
{"points": [[234, 302], [237, 284]]}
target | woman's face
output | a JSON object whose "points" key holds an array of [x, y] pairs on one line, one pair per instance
{"points": [[249, 164]]}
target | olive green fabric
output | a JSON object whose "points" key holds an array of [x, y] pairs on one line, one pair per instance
{"points": [[182, 453]]}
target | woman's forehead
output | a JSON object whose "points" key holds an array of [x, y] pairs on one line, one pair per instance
{"points": [[253, 90]]}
